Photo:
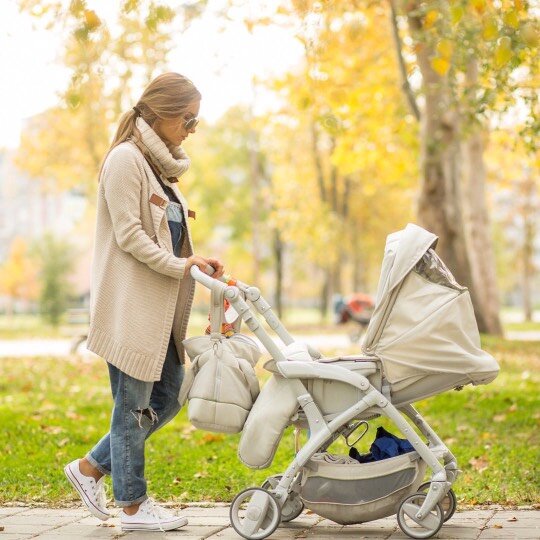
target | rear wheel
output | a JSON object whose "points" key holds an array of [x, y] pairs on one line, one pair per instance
{"points": [[448, 504], [293, 506]]}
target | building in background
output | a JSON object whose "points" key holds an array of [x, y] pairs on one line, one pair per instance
{"points": [[29, 208]]}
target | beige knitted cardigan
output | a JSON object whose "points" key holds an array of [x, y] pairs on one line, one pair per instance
{"points": [[138, 293]]}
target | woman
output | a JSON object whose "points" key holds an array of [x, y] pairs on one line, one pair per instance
{"points": [[141, 293]]}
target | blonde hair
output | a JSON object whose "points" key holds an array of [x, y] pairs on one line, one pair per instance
{"points": [[167, 96]]}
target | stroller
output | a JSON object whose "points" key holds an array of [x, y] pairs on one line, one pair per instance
{"points": [[422, 340]]}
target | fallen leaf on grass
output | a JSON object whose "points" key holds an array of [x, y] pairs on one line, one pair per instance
{"points": [[211, 437], [479, 464], [53, 430], [499, 418], [188, 429]]}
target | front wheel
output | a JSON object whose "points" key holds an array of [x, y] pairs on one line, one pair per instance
{"points": [[255, 513], [429, 526]]}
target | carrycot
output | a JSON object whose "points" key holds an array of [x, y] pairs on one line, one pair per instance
{"points": [[423, 328]]}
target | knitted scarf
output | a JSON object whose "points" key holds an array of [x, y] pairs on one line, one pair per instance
{"points": [[171, 161]]}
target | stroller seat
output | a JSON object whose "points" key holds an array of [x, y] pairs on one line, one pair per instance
{"points": [[263, 431]]}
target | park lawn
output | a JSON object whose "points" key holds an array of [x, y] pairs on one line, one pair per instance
{"points": [[53, 410]]}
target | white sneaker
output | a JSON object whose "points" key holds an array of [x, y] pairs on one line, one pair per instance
{"points": [[151, 517], [92, 493]]}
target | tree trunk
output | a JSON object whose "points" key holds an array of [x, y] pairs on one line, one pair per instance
{"points": [[528, 269], [278, 259], [529, 211], [479, 232], [440, 203], [255, 175], [325, 294]]}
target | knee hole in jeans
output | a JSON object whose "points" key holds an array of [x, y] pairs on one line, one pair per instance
{"points": [[146, 415]]}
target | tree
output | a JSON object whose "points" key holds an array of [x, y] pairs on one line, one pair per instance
{"points": [[337, 152], [56, 264], [467, 53], [68, 142], [514, 170], [18, 274]]}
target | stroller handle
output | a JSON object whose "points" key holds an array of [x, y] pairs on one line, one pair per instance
{"points": [[202, 276], [229, 285]]}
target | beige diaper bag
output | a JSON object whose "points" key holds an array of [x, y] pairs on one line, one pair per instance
{"points": [[220, 385]]}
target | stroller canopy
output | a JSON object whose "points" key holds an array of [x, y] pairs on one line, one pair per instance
{"points": [[423, 322]]}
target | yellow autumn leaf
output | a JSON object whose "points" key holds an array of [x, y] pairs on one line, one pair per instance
{"points": [[478, 5], [445, 48], [456, 12], [92, 20], [431, 17], [511, 19], [503, 51], [490, 29], [440, 65], [529, 34]]}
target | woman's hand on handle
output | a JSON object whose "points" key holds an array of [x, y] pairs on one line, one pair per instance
{"points": [[202, 263]]}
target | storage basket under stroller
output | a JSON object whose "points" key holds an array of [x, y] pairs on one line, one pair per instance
{"points": [[346, 491]]}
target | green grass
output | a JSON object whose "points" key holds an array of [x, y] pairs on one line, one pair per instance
{"points": [[525, 326], [28, 326], [54, 410]]}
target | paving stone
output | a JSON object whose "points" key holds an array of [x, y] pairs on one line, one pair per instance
{"points": [[350, 534], [198, 511], [509, 534], [93, 520], [191, 531], [328, 523], [212, 523], [86, 531], [24, 529], [533, 515], [221, 521], [57, 512], [9, 510], [38, 520], [186, 533]]}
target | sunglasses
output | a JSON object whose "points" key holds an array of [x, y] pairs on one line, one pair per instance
{"points": [[190, 123]]}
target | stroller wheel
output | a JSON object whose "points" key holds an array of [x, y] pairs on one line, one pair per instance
{"points": [[293, 505], [411, 526], [255, 513], [448, 504]]}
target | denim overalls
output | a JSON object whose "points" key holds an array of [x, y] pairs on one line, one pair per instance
{"points": [[140, 407]]}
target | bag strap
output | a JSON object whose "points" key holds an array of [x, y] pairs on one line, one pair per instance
{"points": [[216, 312]]}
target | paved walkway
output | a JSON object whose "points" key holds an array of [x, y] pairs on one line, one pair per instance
{"points": [[213, 523]]}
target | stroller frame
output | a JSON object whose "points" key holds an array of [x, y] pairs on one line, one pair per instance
{"points": [[260, 522]]}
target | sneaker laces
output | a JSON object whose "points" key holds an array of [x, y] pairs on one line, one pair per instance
{"points": [[157, 512]]}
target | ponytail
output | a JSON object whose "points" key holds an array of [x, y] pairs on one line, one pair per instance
{"points": [[167, 96]]}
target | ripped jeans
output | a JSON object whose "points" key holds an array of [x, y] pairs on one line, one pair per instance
{"points": [[140, 409]]}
